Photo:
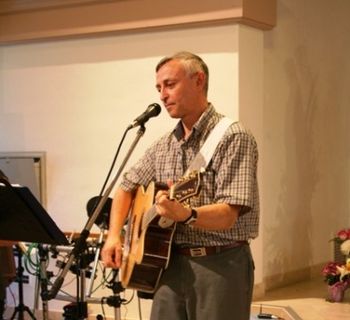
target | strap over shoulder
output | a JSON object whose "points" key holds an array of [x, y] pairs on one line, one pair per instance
{"points": [[205, 154]]}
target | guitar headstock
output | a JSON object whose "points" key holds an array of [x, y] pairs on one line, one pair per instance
{"points": [[186, 187]]}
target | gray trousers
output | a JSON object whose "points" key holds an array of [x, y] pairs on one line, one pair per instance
{"points": [[215, 287]]}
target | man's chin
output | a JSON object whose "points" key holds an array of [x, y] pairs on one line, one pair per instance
{"points": [[173, 114]]}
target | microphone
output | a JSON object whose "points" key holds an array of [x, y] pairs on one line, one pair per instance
{"points": [[152, 111]]}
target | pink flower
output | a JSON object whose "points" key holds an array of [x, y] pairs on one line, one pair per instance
{"points": [[330, 269], [343, 234]]}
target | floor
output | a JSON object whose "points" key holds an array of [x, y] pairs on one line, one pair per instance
{"points": [[301, 301], [308, 301]]}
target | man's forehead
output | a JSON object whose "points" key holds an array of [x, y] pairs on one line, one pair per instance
{"points": [[169, 70]]}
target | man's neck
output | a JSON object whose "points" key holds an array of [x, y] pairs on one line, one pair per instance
{"points": [[188, 123]]}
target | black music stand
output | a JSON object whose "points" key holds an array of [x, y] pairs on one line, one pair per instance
{"points": [[22, 218]]}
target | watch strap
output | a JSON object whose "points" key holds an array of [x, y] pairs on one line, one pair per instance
{"points": [[192, 218]]}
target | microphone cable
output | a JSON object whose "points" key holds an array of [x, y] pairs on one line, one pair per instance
{"points": [[99, 197], [113, 163]]}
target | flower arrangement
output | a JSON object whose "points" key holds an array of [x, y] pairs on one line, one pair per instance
{"points": [[337, 274], [337, 277]]}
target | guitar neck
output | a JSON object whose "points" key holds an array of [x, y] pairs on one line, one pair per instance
{"points": [[181, 191]]}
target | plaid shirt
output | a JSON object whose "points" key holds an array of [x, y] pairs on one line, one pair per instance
{"points": [[230, 177]]}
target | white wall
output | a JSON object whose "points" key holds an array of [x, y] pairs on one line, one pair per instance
{"points": [[73, 99]]}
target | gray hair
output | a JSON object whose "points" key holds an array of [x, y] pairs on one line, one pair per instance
{"points": [[192, 64]]}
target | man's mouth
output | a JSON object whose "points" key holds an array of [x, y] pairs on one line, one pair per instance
{"points": [[169, 105]]}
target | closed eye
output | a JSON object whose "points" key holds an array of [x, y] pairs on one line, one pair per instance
{"points": [[167, 84]]}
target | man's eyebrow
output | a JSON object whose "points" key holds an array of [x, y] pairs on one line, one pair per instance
{"points": [[166, 81], [169, 80]]}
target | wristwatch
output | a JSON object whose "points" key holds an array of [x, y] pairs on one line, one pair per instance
{"points": [[192, 218]]}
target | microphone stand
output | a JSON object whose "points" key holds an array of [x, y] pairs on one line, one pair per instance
{"points": [[81, 241], [96, 259], [43, 278]]}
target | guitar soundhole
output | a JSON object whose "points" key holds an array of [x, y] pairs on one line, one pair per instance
{"points": [[158, 241]]}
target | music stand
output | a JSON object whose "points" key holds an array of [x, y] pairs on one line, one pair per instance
{"points": [[22, 218]]}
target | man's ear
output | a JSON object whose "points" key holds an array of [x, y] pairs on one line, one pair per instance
{"points": [[200, 79]]}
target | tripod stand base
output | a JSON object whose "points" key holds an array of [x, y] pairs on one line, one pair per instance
{"points": [[20, 309]]}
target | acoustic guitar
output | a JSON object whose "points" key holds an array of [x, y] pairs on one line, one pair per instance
{"points": [[147, 243]]}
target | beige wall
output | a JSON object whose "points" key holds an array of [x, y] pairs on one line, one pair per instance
{"points": [[306, 168]]}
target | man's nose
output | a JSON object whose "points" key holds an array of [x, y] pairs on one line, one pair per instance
{"points": [[163, 95]]}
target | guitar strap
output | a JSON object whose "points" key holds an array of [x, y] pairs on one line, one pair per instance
{"points": [[205, 154], [203, 157]]}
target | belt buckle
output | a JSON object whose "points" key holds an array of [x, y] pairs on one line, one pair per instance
{"points": [[198, 252]]}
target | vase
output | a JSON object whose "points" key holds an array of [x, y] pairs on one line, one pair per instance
{"points": [[336, 291], [338, 255]]}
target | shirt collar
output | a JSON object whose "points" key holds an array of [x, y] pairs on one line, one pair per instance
{"points": [[199, 126]]}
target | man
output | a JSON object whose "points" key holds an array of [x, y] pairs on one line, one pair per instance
{"points": [[217, 283]]}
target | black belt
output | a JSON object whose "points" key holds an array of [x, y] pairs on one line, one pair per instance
{"points": [[207, 251]]}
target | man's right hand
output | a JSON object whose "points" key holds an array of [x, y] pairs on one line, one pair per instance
{"points": [[112, 253]]}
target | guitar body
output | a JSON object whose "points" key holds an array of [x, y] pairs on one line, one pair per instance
{"points": [[146, 250], [148, 238]]}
